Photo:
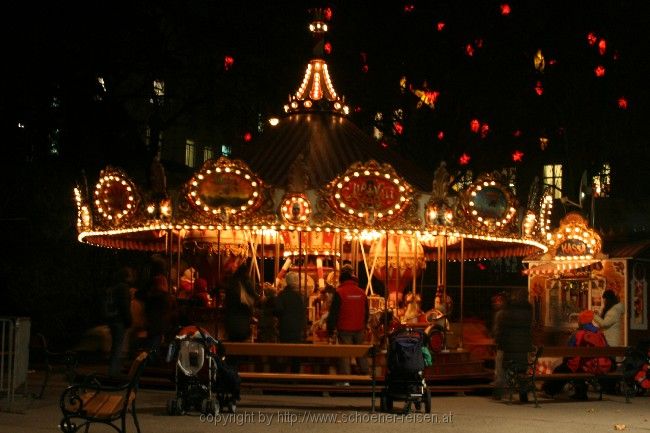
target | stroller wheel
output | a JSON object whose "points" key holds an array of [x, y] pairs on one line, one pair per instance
{"points": [[180, 410], [171, 406], [427, 401], [386, 403], [209, 407]]}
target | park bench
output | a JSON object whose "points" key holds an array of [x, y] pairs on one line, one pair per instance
{"points": [[92, 402], [304, 381], [523, 378]]}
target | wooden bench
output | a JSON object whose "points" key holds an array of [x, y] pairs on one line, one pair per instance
{"points": [[523, 378], [306, 381], [92, 402]]}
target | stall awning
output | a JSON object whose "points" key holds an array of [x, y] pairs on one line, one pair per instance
{"points": [[555, 267]]}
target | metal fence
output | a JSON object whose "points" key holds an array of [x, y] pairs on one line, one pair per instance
{"points": [[14, 356]]}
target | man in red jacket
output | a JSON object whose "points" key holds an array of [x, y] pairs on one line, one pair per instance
{"points": [[349, 316]]}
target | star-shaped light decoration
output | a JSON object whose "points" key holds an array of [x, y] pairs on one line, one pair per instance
{"points": [[543, 143], [622, 103], [464, 159], [591, 38], [599, 71], [518, 156], [228, 61], [505, 9]]}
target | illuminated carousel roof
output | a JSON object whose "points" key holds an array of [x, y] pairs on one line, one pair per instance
{"points": [[315, 172], [327, 144]]}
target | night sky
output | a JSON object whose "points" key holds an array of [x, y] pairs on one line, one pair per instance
{"points": [[478, 56]]}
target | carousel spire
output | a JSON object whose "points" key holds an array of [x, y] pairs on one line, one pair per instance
{"points": [[316, 92]]}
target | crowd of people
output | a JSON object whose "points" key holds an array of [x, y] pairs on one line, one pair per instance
{"points": [[143, 313], [140, 309]]}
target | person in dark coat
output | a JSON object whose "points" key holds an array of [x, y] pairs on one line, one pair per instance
{"points": [[513, 336], [291, 313], [117, 313], [239, 305]]}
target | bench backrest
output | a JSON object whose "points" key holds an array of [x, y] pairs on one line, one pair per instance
{"points": [[298, 350], [137, 367], [567, 351]]}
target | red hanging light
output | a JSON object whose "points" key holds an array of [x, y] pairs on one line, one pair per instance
{"points": [[228, 61], [539, 89], [591, 38], [622, 103], [464, 159], [409, 8], [248, 137], [516, 133], [517, 156], [474, 125], [599, 71], [440, 26], [327, 48], [469, 50], [485, 129], [441, 135], [505, 9], [398, 128], [328, 14], [602, 47]]}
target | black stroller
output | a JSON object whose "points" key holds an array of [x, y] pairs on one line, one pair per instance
{"points": [[636, 368], [405, 377], [203, 379]]}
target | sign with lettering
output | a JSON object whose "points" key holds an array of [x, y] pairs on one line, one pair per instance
{"points": [[572, 247], [370, 192]]}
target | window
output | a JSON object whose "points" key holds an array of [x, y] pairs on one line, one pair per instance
{"points": [[601, 182], [207, 153], [189, 153], [158, 91], [553, 177], [225, 150]]}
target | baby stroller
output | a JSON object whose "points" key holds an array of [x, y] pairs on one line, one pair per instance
{"points": [[203, 379], [636, 368], [405, 377]]}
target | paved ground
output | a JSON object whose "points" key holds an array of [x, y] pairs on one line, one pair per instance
{"points": [[331, 414]]}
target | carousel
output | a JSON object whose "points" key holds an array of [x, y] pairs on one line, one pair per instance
{"points": [[314, 193]]}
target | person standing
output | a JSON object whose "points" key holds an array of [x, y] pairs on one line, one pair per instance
{"points": [[513, 336], [291, 313], [239, 305], [117, 313], [160, 308], [349, 316], [609, 320]]}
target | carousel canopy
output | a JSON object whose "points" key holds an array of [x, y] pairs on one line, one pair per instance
{"points": [[314, 172]]}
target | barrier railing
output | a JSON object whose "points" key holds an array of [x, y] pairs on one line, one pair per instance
{"points": [[14, 356]]}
